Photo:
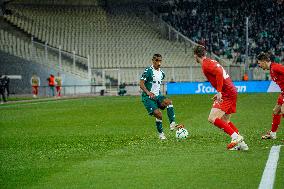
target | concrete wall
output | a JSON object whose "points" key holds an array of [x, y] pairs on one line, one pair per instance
{"points": [[11, 65]]}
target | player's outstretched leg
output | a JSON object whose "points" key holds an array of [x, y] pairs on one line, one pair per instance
{"points": [[233, 127], [171, 116], [159, 124], [220, 119], [170, 112], [276, 120], [241, 145]]}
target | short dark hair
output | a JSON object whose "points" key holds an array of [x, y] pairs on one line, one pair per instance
{"points": [[199, 50], [263, 56], [156, 56]]}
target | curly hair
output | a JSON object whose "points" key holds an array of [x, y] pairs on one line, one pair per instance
{"points": [[263, 56], [199, 50], [156, 56]]}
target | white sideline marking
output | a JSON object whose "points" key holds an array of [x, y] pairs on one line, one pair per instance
{"points": [[268, 176]]}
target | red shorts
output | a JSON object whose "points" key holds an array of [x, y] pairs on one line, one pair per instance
{"points": [[280, 99], [228, 105], [58, 88]]}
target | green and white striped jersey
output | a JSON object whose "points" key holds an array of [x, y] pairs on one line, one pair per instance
{"points": [[153, 80]]}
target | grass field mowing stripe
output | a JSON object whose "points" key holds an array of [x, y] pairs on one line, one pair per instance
{"points": [[268, 176]]}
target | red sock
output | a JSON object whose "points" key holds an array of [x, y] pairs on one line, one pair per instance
{"points": [[223, 125], [233, 127], [275, 122]]}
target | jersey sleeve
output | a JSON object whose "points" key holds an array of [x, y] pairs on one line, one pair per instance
{"points": [[279, 69], [145, 75], [218, 72]]}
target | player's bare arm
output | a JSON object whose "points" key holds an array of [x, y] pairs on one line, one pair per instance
{"points": [[143, 87]]}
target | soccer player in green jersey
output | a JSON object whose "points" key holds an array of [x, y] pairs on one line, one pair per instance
{"points": [[153, 100]]}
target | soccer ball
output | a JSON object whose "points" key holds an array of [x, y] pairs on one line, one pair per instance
{"points": [[181, 133]]}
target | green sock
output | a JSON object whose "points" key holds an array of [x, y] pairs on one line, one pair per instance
{"points": [[171, 113], [159, 125]]}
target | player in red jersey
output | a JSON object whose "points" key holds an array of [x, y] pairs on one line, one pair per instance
{"points": [[277, 75], [225, 100]]}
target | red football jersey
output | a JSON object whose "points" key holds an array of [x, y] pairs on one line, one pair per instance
{"points": [[218, 77], [277, 75]]}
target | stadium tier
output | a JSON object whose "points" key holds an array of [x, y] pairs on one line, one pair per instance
{"points": [[115, 44], [27, 50], [114, 39]]}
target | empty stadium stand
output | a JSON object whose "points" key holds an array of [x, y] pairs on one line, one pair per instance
{"points": [[115, 43]]}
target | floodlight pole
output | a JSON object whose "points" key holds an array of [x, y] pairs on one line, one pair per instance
{"points": [[89, 68], [247, 43], [74, 61], [59, 57], [46, 53]]}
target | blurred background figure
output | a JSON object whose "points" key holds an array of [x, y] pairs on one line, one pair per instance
{"points": [[35, 82], [6, 81], [51, 84], [122, 91], [2, 90], [58, 81]]}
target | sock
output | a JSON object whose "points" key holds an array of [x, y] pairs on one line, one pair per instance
{"points": [[223, 125], [234, 136], [233, 127], [171, 113], [275, 122], [159, 125]]}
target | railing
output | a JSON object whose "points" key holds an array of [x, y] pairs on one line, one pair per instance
{"points": [[132, 76], [89, 90], [64, 61]]}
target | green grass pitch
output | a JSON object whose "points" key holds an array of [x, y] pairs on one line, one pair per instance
{"points": [[111, 142]]}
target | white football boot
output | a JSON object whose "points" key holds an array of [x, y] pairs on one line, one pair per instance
{"points": [[235, 142], [173, 126], [162, 136], [269, 135], [241, 146]]}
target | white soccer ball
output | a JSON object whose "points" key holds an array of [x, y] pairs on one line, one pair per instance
{"points": [[181, 133]]}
